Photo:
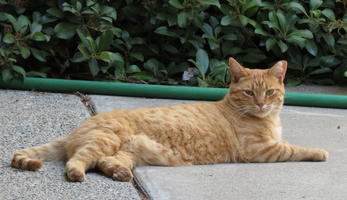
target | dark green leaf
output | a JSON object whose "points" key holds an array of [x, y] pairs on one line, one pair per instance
{"points": [[329, 14], [302, 33], [55, 12], [91, 44], [270, 43], [65, 30], [282, 22], [209, 2], [85, 52], [202, 83], [273, 23], [252, 4], [259, 30], [311, 47], [19, 70], [35, 27], [36, 74], [207, 29], [327, 60], [314, 4], [163, 30], [9, 38], [297, 40], [133, 69], [25, 52], [87, 49], [119, 72], [282, 46], [176, 4], [293, 82], [78, 57], [329, 39], [243, 20], [321, 71], [152, 65], [6, 75], [182, 18], [39, 55], [297, 6], [202, 61], [108, 56], [93, 66], [23, 23], [137, 55], [109, 11], [105, 40], [13, 21], [226, 20], [144, 76], [38, 36]]}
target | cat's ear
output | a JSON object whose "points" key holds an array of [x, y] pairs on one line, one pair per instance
{"points": [[279, 70], [236, 70]]}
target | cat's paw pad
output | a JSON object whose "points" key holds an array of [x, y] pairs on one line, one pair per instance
{"points": [[122, 174], [75, 175]]}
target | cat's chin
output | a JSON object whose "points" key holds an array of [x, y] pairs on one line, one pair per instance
{"points": [[260, 114]]}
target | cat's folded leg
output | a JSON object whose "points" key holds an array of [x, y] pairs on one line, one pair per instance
{"points": [[282, 151], [99, 145], [139, 150], [149, 152]]}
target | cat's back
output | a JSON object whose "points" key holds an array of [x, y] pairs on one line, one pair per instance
{"points": [[183, 117]]}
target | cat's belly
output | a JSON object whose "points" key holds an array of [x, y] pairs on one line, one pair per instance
{"points": [[203, 148]]}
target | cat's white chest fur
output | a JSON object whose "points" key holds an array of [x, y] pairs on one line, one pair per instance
{"points": [[278, 132], [277, 129]]}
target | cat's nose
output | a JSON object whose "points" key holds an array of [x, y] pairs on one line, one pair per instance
{"points": [[261, 105]]}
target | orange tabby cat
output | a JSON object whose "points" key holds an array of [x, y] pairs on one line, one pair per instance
{"points": [[243, 127]]}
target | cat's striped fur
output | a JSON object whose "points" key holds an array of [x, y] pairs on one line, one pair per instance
{"points": [[243, 127]]}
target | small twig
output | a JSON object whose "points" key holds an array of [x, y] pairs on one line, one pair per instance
{"points": [[85, 99]]}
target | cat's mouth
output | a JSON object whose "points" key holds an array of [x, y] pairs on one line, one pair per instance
{"points": [[261, 111]]}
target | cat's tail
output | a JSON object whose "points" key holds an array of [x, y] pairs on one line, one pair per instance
{"points": [[31, 158]]}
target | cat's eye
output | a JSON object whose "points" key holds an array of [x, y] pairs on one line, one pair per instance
{"points": [[249, 92], [270, 92]]}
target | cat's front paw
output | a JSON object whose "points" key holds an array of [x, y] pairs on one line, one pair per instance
{"points": [[320, 155]]}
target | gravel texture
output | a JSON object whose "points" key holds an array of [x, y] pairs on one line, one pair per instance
{"points": [[32, 118]]}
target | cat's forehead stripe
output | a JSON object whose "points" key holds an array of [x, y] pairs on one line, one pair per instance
{"points": [[259, 81]]}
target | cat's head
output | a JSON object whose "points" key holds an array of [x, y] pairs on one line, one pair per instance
{"points": [[257, 92]]}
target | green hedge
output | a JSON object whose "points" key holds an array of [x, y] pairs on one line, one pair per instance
{"points": [[172, 42]]}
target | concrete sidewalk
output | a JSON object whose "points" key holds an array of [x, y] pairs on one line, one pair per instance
{"points": [[31, 118]]}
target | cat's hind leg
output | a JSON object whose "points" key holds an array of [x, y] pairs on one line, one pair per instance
{"points": [[31, 158], [139, 150], [86, 156]]}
